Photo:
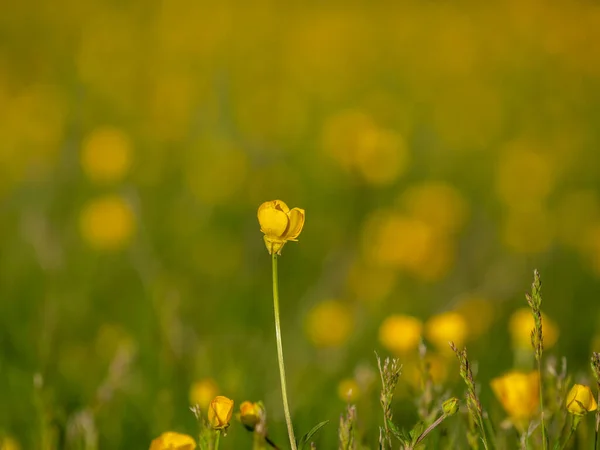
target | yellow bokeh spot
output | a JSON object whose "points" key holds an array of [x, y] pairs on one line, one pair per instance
{"points": [[379, 156], [437, 203], [400, 334], [394, 240], [9, 443], [348, 390], [203, 391], [524, 175], [519, 394], [329, 324], [520, 325], [106, 155], [107, 223], [436, 365], [445, 327], [370, 284]]}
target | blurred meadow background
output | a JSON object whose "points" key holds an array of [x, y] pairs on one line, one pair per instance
{"points": [[441, 150]]}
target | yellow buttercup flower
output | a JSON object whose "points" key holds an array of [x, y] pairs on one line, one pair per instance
{"points": [[203, 391], [250, 414], [445, 327], [520, 325], [279, 224], [400, 334], [519, 394], [173, 441], [580, 400], [220, 411]]}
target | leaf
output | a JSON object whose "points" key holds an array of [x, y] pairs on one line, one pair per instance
{"points": [[416, 432], [394, 429], [305, 440]]}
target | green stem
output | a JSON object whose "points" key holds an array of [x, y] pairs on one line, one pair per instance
{"points": [[597, 422], [286, 408], [575, 424], [544, 435], [217, 439]]}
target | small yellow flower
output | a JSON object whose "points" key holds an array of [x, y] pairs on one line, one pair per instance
{"points": [[173, 441], [220, 411], [520, 325], [519, 394], [203, 391], [400, 334], [279, 224], [445, 327], [250, 414], [348, 390], [580, 400]]}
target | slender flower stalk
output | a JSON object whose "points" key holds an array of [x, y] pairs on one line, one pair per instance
{"points": [[595, 364], [537, 341], [217, 439], [286, 408]]}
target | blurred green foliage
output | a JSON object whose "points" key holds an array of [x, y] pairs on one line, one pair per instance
{"points": [[441, 150]]}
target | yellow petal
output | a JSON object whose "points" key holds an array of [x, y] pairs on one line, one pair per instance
{"points": [[273, 219], [281, 206], [296, 218]]}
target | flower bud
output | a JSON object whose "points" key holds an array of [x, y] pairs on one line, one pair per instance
{"points": [[580, 400], [250, 414], [219, 412], [450, 406], [279, 224]]}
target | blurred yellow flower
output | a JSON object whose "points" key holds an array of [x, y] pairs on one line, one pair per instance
{"points": [[219, 412], [203, 391], [439, 204], [279, 224], [381, 156], [250, 414], [378, 155], [580, 400], [519, 394], [329, 324], [371, 284], [106, 155], [400, 334], [521, 323], [8, 443], [348, 390], [437, 365], [445, 327], [107, 223], [525, 174], [173, 441]]}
